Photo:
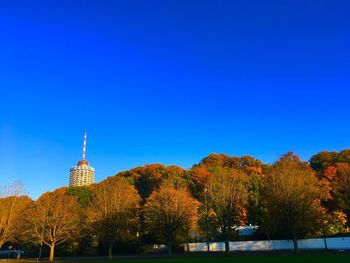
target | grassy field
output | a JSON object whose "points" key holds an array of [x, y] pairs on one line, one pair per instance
{"points": [[285, 258], [332, 257], [316, 258]]}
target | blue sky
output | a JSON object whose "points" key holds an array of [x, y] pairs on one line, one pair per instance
{"points": [[168, 82]]}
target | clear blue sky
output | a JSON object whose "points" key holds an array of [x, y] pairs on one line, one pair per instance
{"points": [[168, 82]]}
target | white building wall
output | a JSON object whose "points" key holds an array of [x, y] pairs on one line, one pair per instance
{"points": [[337, 243], [249, 246]]}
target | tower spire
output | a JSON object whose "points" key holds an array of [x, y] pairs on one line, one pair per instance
{"points": [[82, 174], [84, 146]]}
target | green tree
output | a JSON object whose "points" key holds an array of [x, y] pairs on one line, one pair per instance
{"points": [[322, 160], [83, 193], [255, 204]]}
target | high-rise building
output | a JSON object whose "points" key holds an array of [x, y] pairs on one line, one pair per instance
{"points": [[82, 174]]}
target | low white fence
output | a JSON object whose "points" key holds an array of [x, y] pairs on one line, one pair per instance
{"points": [[335, 243]]}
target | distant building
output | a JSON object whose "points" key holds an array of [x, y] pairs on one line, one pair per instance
{"points": [[246, 230], [82, 174]]}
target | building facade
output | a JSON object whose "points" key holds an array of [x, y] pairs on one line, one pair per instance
{"points": [[82, 174]]}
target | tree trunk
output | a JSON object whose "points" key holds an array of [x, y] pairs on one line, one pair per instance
{"points": [[268, 237], [207, 230], [110, 252], [295, 242], [75, 249], [325, 243], [188, 242], [40, 249], [52, 252], [169, 248], [227, 245]]}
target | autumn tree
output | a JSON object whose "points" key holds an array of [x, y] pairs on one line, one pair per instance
{"points": [[244, 164], [227, 195], [324, 159], [334, 222], [341, 188], [199, 173], [198, 178], [169, 211], [115, 211], [292, 196], [12, 206], [149, 177], [333, 170], [54, 218]]}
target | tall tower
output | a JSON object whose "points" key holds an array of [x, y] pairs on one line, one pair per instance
{"points": [[82, 174]]}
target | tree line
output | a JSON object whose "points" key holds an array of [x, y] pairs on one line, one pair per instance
{"points": [[157, 204]]}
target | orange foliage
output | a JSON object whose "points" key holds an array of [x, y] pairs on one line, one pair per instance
{"points": [[257, 170], [200, 174], [55, 218], [330, 172], [149, 177], [326, 187], [115, 211], [12, 209], [341, 216], [169, 211]]}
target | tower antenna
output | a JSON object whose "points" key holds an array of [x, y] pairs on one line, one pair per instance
{"points": [[84, 146]]}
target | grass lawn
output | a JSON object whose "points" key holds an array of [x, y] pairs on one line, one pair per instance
{"points": [[283, 258], [332, 257], [307, 258]]}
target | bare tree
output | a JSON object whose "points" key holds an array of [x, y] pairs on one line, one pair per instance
{"points": [[12, 205]]}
